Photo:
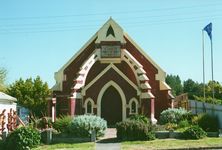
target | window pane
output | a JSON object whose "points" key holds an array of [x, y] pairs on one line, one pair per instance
{"points": [[133, 107], [89, 107], [110, 51]]}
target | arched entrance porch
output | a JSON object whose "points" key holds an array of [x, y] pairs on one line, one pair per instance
{"points": [[111, 103]]}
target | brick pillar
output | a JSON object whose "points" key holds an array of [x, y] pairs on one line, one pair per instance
{"points": [[152, 110], [53, 109], [72, 106]]}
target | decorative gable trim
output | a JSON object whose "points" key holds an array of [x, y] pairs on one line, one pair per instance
{"points": [[110, 31], [103, 72], [60, 73], [161, 74], [101, 36]]}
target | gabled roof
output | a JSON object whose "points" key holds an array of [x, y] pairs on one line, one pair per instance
{"points": [[161, 74], [101, 35], [7, 98]]}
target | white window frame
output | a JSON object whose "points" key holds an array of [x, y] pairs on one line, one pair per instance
{"points": [[130, 105], [92, 105]]}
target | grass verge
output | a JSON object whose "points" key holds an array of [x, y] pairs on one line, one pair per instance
{"points": [[67, 146], [171, 144]]}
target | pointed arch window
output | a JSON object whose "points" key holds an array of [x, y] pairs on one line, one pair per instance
{"points": [[133, 106], [89, 105], [110, 31], [89, 108]]}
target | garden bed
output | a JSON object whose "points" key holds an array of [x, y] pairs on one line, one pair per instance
{"points": [[168, 134], [49, 137], [64, 138], [178, 135], [212, 134]]}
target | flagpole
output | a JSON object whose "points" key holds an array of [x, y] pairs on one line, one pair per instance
{"points": [[212, 67], [203, 65]]}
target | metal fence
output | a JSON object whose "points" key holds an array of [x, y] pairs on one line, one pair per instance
{"points": [[197, 107]]}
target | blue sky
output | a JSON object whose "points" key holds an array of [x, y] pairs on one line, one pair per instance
{"points": [[39, 37]]}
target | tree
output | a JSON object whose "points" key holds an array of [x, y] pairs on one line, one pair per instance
{"points": [[3, 74], [175, 83], [217, 89], [192, 88], [31, 94]]}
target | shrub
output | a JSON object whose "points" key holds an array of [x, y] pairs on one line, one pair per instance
{"points": [[44, 122], [134, 130], [195, 119], [158, 127], [140, 118], [171, 126], [62, 124], [23, 138], [194, 132], [173, 115], [207, 122], [40, 123], [83, 125], [183, 124]]}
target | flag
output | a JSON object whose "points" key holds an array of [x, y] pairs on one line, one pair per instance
{"points": [[208, 29]]}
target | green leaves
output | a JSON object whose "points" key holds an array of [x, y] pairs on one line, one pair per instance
{"points": [[194, 132], [23, 138], [195, 90], [83, 125], [173, 115], [175, 83], [31, 94], [62, 123], [3, 74], [133, 130]]}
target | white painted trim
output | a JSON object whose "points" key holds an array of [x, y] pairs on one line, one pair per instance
{"points": [[7, 98], [130, 105], [103, 72], [59, 74], [92, 105], [146, 95], [53, 113], [164, 86], [118, 31], [122, 95], [132, 67], [145, 85], [132, 58], [161, 74]]}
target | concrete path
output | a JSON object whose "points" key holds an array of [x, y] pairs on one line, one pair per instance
{"points": [[108, 142], [109, 134], [107, 146]]}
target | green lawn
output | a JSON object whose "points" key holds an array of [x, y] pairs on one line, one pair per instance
{"points": [[67, 146], [140, 145], [171, 144]]}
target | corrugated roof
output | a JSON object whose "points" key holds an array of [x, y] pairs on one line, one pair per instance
{"points": [[6, 97]]}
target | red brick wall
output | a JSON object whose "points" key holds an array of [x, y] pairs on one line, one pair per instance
{"points": [[94, 90], [73, 68], [94, 71], [126, 69], [161, 97], [161, 101]]}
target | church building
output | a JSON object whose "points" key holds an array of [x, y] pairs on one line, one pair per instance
{"points": [[111, 77]]}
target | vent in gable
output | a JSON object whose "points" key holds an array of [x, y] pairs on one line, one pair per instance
{"points": [[110, 31]]}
